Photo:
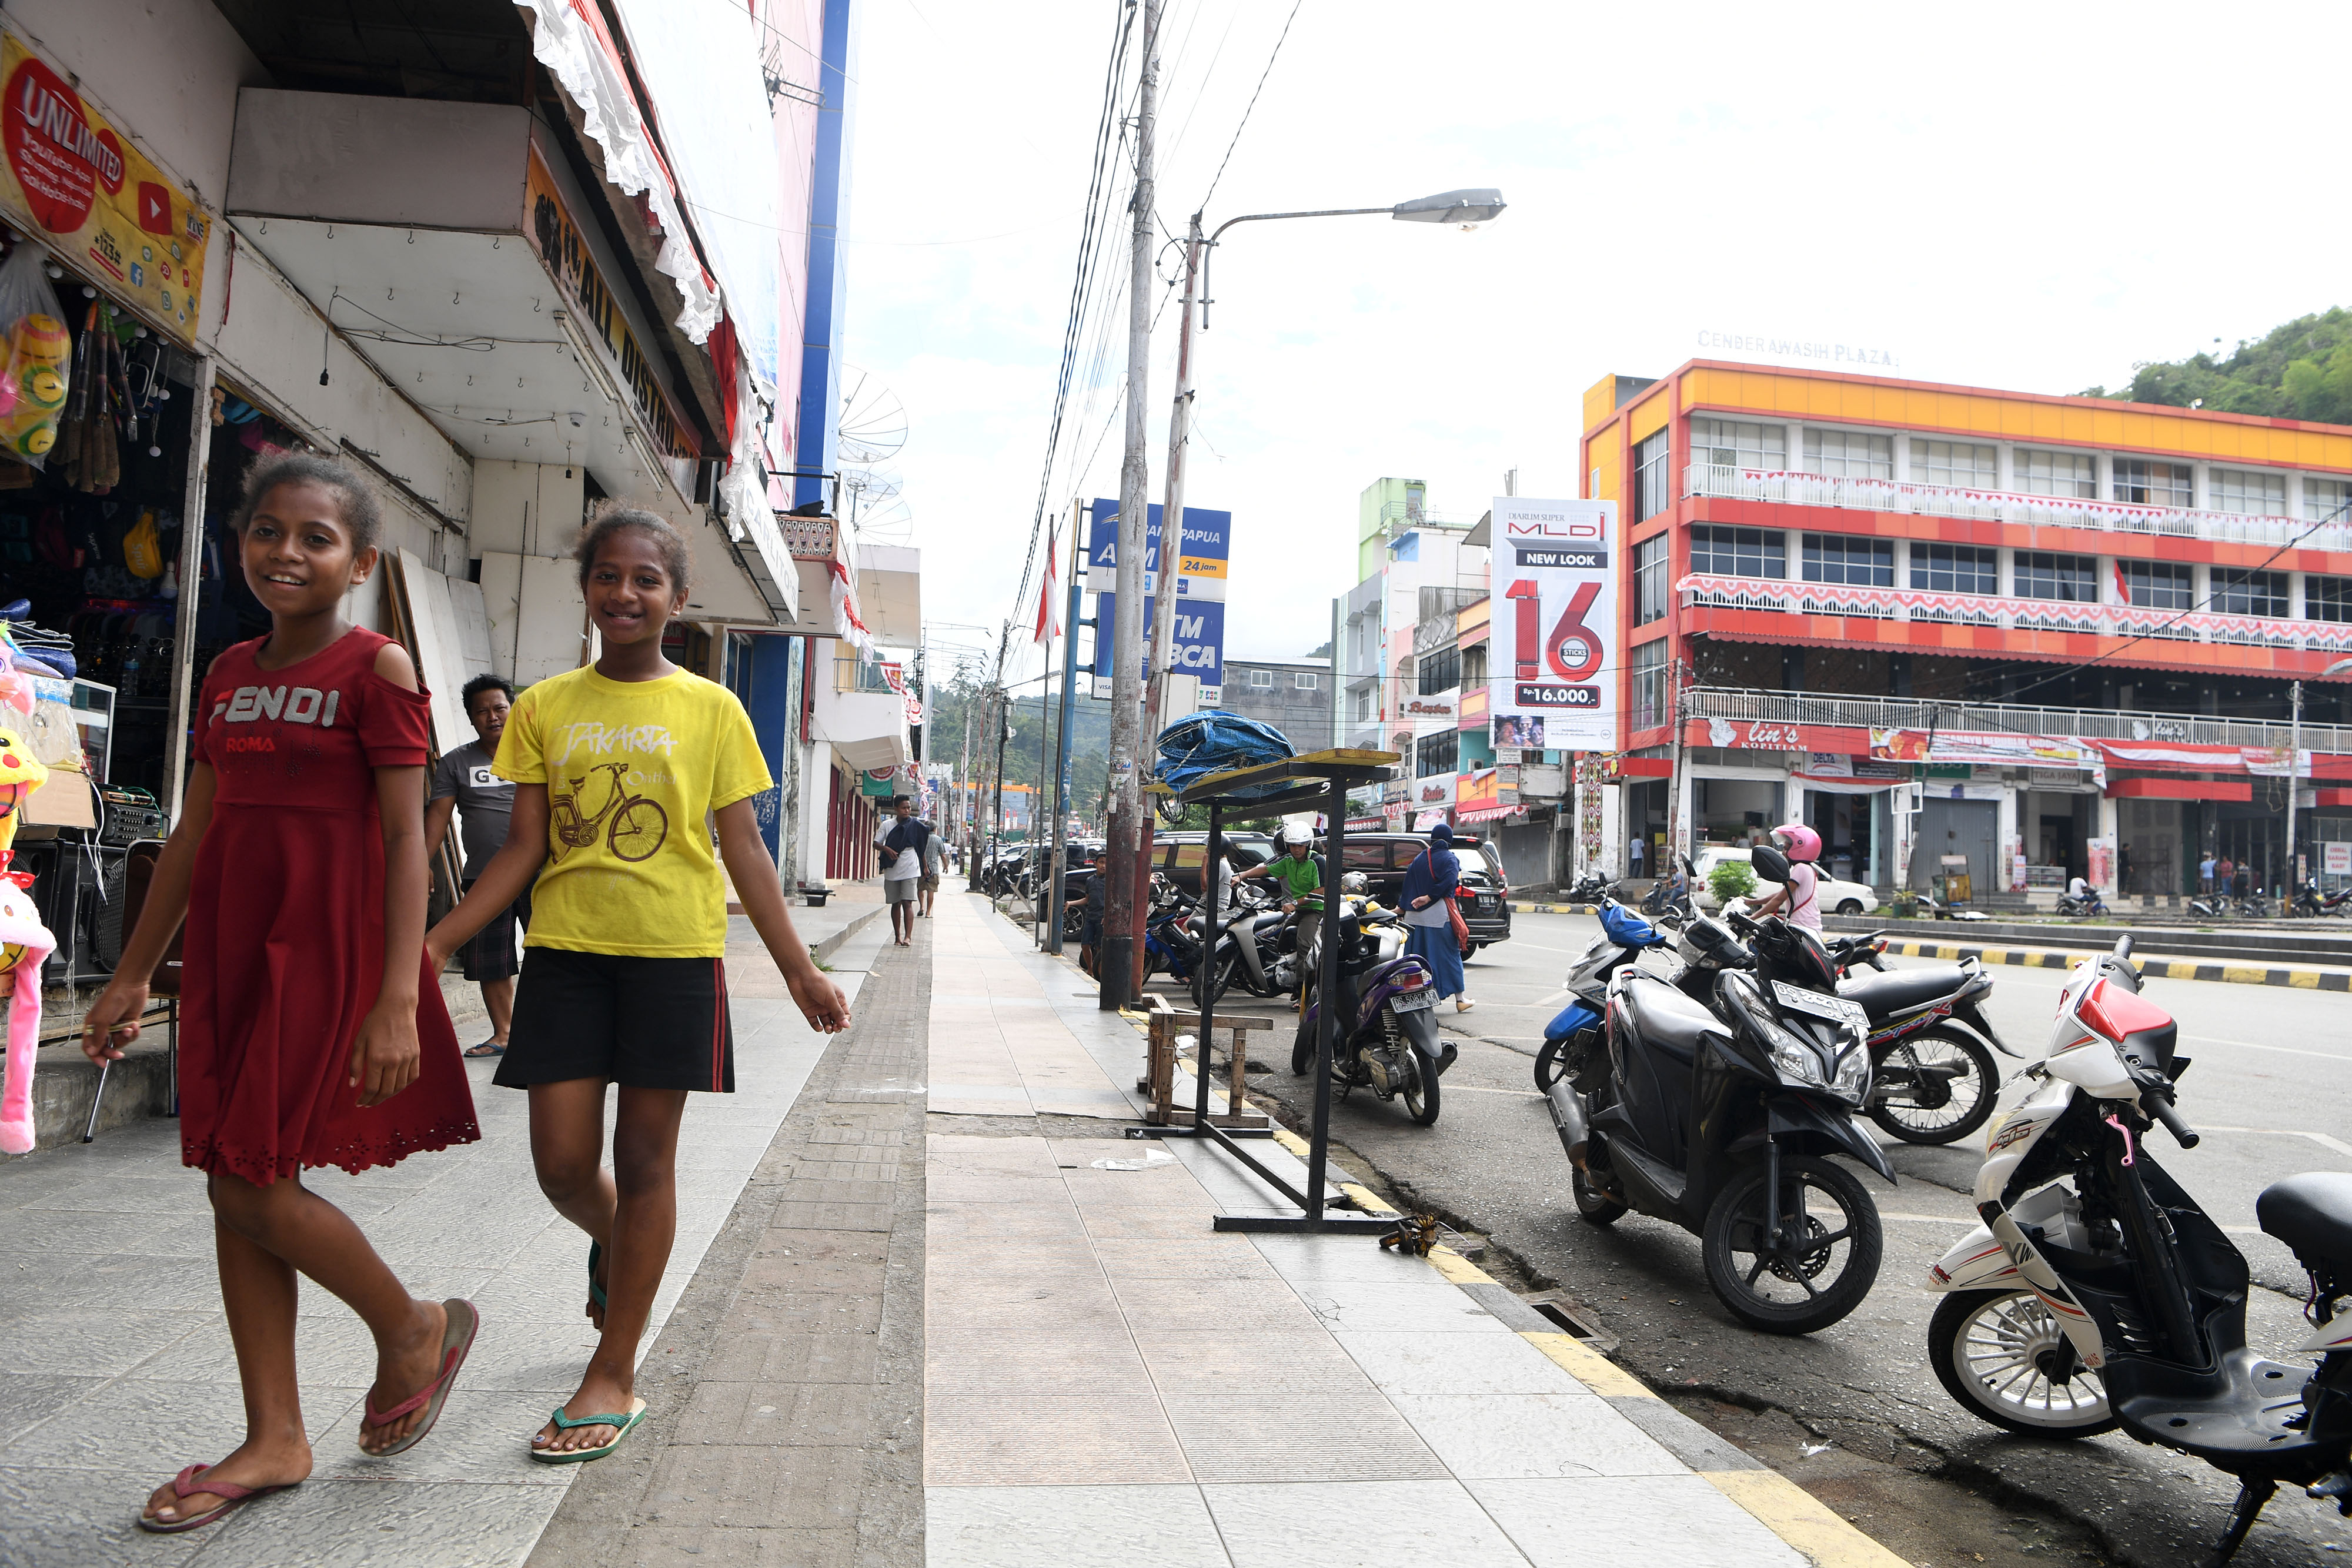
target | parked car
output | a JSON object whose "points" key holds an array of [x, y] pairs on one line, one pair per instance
{"points": [[1383, 858], [1838, 896], [1178, 855]]}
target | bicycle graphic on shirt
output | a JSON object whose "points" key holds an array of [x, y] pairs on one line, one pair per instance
{"points": [[635, 828]]}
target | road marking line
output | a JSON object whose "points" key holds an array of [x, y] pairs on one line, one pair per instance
{"points": [[1801, 1519], [1588, 1365], [1482, 1089], [2322, 1139], [2282, 1049]]}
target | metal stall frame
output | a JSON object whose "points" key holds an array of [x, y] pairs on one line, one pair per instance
{"points": [[1322, 777]]}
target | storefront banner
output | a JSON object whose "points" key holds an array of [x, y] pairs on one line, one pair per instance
{"points": [[1997, 749], [1742, 735], [75, 179], [1842, 783], [1829, 765], [1553, 565], [1434, 790], [1479, 790], [2261, 761], [2336, 858], [1483, 814], [1429, 714]]}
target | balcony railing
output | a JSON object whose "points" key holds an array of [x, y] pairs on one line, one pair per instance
{"points": [[2003, 506], [2011, 614], [1740, 704]]}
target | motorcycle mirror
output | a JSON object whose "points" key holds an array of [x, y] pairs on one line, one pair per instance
{"points": [[1769, 864]]}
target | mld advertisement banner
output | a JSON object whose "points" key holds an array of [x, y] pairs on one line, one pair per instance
{"points": [[1555, 586], [74, 180]]}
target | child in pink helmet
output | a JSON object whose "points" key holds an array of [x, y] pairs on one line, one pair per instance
{"points": [[1801, 895]]}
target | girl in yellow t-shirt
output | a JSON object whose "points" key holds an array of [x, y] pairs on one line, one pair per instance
{"points": [[615, 767]]}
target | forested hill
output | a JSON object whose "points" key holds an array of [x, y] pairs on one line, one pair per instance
{"points": [[2302, 370]]}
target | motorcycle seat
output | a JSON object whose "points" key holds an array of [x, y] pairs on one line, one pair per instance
{"points": [[1263, 920], [1898, 990], [2312, 1213]]}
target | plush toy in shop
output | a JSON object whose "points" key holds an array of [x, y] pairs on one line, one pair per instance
{"points": [[25, 942], [36, 384]]}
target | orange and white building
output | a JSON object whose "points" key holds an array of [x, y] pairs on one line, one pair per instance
{"points": [[2026, 636]]}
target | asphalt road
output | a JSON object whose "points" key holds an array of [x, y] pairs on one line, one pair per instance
{"points": [[2271, 1089]]}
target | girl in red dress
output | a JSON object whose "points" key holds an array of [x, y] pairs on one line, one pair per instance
{"points": [[313, 1034]]}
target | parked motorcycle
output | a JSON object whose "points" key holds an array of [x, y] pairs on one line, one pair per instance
{"points": [[1390, 1004], [2309, 901], [1720, 1119], [1258, 946], [2098, 1295], [1575, 1029], [1591, 888], [1932, 1078], [2086, 902]]}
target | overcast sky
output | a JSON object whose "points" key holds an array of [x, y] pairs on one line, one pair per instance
{"points": [[2028, 197]]}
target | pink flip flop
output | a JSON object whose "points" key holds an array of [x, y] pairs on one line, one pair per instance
{"points": [[456, 1339], [191, 1482]]}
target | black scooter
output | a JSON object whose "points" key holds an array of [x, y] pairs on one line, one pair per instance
{"points": [[1719, 1116], [1591, 888]]}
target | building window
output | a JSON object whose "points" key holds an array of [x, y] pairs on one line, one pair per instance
{"points": [[2160, 585], [1302, 680], [1474, 666], [1849, 454], [1441, 671], [1434, 753], [1954, 569], [1649, 683], [1364, 705], [1963, 465], [2070, 578], [2143, 483], [2250, 593], [1836, 558], [1650, 581], [1738, 552], [2328, 598], [2071, 474], [1652, 492], [1736, 444], [1262, 680], [2326, 499], [2253, 494]]}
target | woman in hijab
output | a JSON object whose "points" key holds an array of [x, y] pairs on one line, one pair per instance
{"points": [[1429, 884]]}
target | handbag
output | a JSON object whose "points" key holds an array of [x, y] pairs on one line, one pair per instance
{"points": [[1461, 926]]}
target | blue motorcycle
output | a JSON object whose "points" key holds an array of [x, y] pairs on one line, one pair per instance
{"points": [[1625, 936]]}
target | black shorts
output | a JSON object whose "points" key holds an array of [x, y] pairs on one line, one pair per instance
{"points": [[491, 956], [643, 1023]]}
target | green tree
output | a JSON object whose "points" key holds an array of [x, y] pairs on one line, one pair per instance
{"points": [[2301, 370]]}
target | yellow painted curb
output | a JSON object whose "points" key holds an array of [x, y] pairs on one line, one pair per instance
{"points": [[1457, 1270], [1801, 1519], [1361, 1196], [1588, 1365], [1291, 1141]]}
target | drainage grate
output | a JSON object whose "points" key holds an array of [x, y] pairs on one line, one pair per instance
{"points": [[1574, 1317]]}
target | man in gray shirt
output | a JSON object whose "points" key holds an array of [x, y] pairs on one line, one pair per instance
{"points": [[463, 783]]}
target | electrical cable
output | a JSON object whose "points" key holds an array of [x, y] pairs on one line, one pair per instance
{"points": [[1270, 58]]}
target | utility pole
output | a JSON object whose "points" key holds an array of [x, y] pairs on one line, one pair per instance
{"points": [[1123, 902], [2294, 793], [1171, 510], [1062, 737], [969, 803]]}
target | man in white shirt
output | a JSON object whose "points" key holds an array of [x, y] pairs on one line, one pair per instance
{"points": [[901, 846]]}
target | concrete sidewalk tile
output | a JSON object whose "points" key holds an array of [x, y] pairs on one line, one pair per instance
{"points": [[1358, 1524], [1070, 1527], [1211, 1257], [786, 1269], [336, 1350], [1150, 1222], [723, 1482], [1056, 1361], [1156, 1306], [1306, 1258], [1512, 1436], [993, 1222], [94, 1341], [382, 1524], [155, 1428], [781, 1545], [746, 1355], [1297, 1438], [782, 1415], [796, 1214], [1042, 1440], [73, 1519], [29, 1398], [1632, 1518], [547, 1359], [1210, 1359], [770, 1312], [1045, 1300], [967, 1259], [178, 1233], [1429, 1305], [1404, 1361]]}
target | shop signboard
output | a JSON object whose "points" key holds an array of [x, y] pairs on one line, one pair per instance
{"points": [[2337, 859], [1478, 791], [1198, 642], [1436, 791], [74, 178], [1554, 563]]}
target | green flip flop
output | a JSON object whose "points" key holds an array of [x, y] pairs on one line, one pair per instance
{"points": [[595, 1291], [624, 1425]]}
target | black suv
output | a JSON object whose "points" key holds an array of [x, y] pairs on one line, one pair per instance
{"points": [[1383, 857], [1178, 855]]}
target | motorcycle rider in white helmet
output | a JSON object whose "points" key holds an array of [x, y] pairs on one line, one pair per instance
{"points": [[1300, 871]]}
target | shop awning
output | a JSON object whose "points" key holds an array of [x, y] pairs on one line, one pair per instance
{"points": [[2182, 789], [1485, 814]]}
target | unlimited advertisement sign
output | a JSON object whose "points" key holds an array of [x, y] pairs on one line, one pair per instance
{"points": [[1556, 601], [77, 181]]}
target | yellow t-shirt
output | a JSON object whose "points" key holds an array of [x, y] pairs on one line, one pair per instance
{"points": [[630, 768]]}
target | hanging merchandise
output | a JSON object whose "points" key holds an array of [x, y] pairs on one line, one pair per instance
{"points": [[93, 462], [33, 384], [142, 551]]}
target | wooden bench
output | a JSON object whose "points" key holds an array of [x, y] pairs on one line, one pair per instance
{"points": [[1158, 1082]]}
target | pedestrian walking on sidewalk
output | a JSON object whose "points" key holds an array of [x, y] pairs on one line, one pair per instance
{"points": [[1094, 896], [465, 786], [616, 766], [903, 844], [1430, 885], [313, 1031], [934, 854]]}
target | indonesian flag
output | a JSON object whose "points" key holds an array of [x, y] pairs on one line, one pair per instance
{"points": [[1048, 627], [2123, 585], [845, 624]]}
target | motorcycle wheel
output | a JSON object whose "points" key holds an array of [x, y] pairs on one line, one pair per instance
{"points": [[1993, 1352], [1549, 1066], [1302, 1048], [1222, 974], [1783, 1294], [1970, 1094], [1420, 1090], [1593, 1206]]}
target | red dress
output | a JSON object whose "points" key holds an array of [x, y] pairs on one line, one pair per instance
{"points": [[284, 950]]}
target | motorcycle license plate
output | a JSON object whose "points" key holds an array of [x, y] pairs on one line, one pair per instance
{"points": [[1837, 1009], [1414, 1002]]}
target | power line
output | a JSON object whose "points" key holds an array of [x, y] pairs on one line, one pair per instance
{"points": [[1270, 58]]}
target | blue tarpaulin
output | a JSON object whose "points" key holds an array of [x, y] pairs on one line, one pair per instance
{"points": [[1216, 741]]}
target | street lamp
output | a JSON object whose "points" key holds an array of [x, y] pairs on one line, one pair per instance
{"points": [[1467, 208], [2295, 779]]}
